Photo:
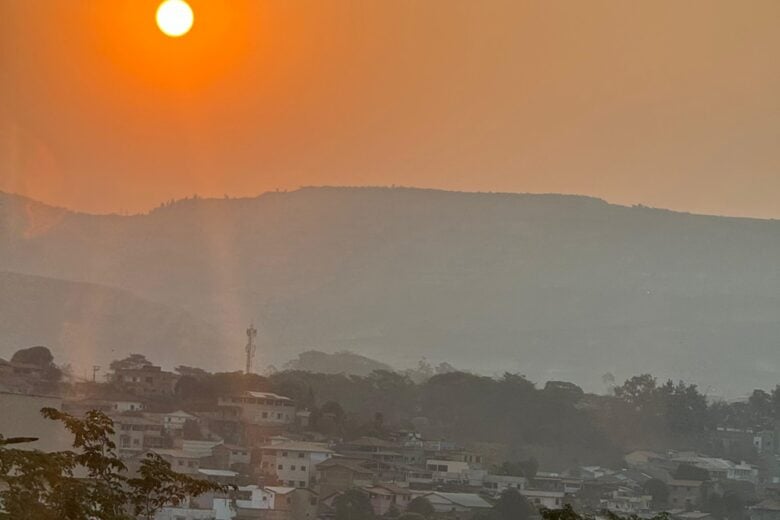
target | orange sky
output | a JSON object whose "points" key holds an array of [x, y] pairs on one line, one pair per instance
{"points": [[666, 103]]}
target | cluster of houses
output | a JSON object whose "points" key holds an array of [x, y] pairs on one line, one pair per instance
{"points": [[259, 442]]}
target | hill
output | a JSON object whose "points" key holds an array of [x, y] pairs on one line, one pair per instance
{"points": [[343, 362], [555, 287], [86, 324]]}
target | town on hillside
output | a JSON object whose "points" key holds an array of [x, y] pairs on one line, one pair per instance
{"points": [[290, 457]]}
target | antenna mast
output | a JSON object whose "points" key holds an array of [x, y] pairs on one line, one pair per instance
{"points": [[251, 348]]}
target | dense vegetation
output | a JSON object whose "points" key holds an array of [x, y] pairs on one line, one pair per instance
{"points": [[558, 423], [89, 482]]}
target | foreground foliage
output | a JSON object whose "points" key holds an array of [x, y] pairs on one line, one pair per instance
{"points": [[88, 483]]}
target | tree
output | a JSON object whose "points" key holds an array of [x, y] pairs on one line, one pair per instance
{"points": [[776, 402], [513, 506], [639, 391], [564, 390], [42, 486], [130, 362], [353, 504], [158, 485], [568, 513], [39, 356], [421, 506]]}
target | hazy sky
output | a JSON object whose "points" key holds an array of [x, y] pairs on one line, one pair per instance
{"points": [[666, 103]]}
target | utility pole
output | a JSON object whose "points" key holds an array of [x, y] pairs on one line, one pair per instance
{"points": [[251, 348], [95, 370]]}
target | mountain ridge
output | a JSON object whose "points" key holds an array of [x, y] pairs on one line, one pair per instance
{"points": [[540, 284]]}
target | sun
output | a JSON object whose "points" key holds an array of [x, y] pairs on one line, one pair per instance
{"points": [[175, 18]]}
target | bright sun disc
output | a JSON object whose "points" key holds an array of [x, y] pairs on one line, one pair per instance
{"points": [[174, 17]]}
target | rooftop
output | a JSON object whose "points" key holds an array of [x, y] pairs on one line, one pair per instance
{"points": [[470, 500], [297, 446]]}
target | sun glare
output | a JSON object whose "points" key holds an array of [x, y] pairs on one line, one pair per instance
{"points": [[175, 17]]}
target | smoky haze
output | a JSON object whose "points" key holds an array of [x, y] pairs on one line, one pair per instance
{"points": [[552, 286]]}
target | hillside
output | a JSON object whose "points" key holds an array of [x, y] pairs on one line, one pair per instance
{"points": [[86, 324], [556, 287]]}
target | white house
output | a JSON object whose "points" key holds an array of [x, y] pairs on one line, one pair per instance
{"points": [[294, 463], [175, 420]]}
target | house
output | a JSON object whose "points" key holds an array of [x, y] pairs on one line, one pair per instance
{"points": [[379, 449], [625, 501], [457, 505], [116, 403], [174, 421], [290, 503], [341, 473], [245, 503], [454, 472], [686, 493], [259, 408], [446, 466], [137, 433], [768, 509], [181, 461], [494, 485], [540, 498], [642, 458], [384, 498], [228, 455], [146, 380], [293, 463]]}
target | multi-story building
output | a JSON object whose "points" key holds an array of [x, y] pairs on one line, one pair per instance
{"points": [[294, 464], [146, 380], [260, 408], [134, 433]]}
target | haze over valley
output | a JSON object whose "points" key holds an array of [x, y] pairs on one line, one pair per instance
{"points": [[552, 286]]}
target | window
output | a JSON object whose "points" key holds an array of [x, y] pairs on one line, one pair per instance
{"points": [[265, 415], [302, 484], [303, 468], [278, 416], [292, 468], [284, 454], [280, 467], [301, 455]]}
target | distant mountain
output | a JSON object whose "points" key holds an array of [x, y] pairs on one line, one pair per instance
{"points": [[86, 324], [343, 362], [555, 287]]}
